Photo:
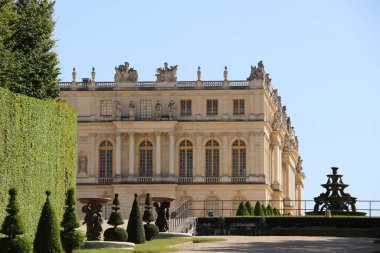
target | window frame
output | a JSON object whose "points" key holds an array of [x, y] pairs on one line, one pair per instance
{"points": [[238, 106], [212, 105], [186, 107], [106, 108]]}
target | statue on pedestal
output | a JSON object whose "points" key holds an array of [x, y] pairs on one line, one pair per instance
{"points": [[131, 110], [118, 109], [171, 109], [158, 110]]}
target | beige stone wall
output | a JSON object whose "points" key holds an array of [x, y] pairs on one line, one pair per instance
{"points": [[271, 172]]}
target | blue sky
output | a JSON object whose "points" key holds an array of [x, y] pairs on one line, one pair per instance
{"points": [[323, 57]]}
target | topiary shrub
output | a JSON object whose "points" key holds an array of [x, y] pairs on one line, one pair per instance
{"points": [[249, 207], [264, 210], [13, 227], [151, 231], [47, 237], [258, 211], [115, 233], [71, 238], [270, 210], [135, 228], [242, 210]]}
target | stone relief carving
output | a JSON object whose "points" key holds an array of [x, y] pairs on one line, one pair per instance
{"points": [[82, 165], [257, 73], [125, 74], [277, 121], [166, 74]]}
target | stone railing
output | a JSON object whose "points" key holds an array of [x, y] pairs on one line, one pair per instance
{"points": [[238, 179], [105, 180], [145, 179], [212, 180], [185, 180], [154, 85]]}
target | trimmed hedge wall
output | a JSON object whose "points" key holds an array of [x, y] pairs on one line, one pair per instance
{"points": [[37, 153]]}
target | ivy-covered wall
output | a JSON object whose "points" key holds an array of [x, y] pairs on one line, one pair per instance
{"points": [[37, 153]]}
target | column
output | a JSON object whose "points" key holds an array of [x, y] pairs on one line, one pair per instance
{"points": [[251, 155], [224, 156], [158, 154], [199, 169], [277, 165], [118, 154], [171, 153], [131, 154], [92, 156]]}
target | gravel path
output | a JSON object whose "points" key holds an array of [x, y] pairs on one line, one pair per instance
{"points": [[284, 244]]}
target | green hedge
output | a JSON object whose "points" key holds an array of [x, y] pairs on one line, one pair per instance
{"points": [[37, 153]]}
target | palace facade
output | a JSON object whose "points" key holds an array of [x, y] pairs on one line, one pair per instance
{"points": [[213, 143]]}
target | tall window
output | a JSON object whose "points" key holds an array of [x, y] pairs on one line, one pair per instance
{"points": [[185, 159], [239, 158], [106, 108], [186, 107], [212, 107], [212, 158], [105, 159], [146, 159], [146, 108], [239, 107], [212, 206]]}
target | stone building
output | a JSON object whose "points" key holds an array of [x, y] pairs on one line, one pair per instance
{"points": [[213, 143]]}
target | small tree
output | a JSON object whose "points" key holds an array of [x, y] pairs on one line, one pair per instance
{"points": [[13, 227], [258, 211], [276, 212], [71, 238], [249, 207], [242, 210], [264, 210], [270, 210], [135, 228], [48, 237], [151, 230], [115, 233]]}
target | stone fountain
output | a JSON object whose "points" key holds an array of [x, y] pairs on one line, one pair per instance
{"points": [[335, 199]]}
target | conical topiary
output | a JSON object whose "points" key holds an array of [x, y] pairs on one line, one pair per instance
{"points": [[264, 210], [242, 210], [47, 237], [151, 230], [71, 238], [270, 210], [135, 228], [148, 215], [276, 212], [249, 207], [13, 227], [115, 233], [258, 211]]}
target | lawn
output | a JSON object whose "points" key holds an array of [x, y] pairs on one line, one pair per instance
{"points": [[157, 245]]}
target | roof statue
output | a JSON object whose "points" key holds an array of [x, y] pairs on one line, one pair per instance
{"points": [[166, 74], [125, 74], [257, 73]]}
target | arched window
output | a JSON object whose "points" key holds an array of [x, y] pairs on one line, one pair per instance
{"points": [[185, 159], [146, 159], [105, 159], [239, 159], [212, 206], [212, 158], [188, 207]]}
